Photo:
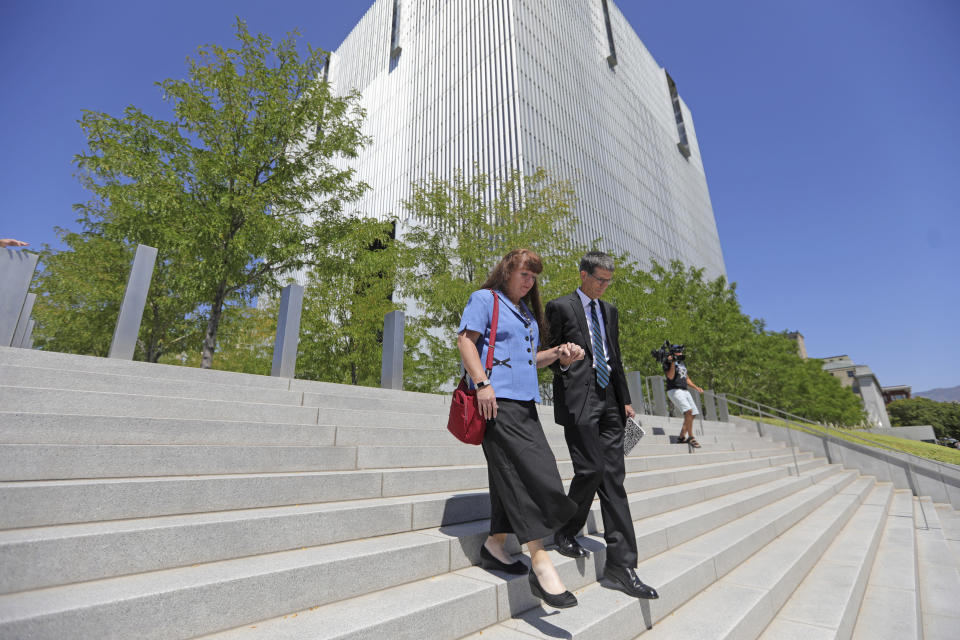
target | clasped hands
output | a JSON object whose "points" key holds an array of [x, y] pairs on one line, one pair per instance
{"points": [[569, 352], [487, 398]]}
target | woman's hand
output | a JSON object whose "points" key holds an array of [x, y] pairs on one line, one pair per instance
{"points": [[487, 401], [568, 353]]}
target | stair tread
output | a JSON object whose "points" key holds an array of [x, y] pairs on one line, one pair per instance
{"points": [[312, 624], [145, 584], [890, 606], [829, 596], [608, 613]]}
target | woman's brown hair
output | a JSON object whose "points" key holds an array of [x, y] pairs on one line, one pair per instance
{"points": [[521, 259]]}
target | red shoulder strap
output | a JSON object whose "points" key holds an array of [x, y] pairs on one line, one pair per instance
{"points": [[493, 330]]}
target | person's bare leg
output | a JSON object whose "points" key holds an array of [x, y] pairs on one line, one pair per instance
{"points": [[686, 431], [547, 574], [494, 545]]}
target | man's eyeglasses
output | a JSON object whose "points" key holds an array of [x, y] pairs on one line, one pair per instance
{"points": [[601, 280]]}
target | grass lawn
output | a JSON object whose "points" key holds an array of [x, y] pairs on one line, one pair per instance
{"points": [[921, 449]]}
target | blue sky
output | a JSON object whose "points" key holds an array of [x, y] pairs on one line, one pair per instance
{"points": [[829, 131]]}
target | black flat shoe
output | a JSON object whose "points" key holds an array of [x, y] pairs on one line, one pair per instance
{"points": [[626, 580], [560, 601], [568, 546], [488, 561]]}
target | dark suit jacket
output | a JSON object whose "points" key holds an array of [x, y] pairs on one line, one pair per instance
{"points": [[568, 323]]}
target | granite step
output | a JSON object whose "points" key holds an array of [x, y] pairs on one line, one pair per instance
{"points": [[938, 574], [43, 378], [891, 603], [98, 499], [24, 462], [826, 604], [296, 579], [950, 523], [44, 556], [92, 364], [679, 569]]}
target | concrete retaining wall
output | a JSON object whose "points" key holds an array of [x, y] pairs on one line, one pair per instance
{"points": [[920, 433], [940, 481]]}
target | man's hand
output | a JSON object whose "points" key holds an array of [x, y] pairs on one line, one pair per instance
{"points": [[10, 242], [629, 410], [568, 353]]}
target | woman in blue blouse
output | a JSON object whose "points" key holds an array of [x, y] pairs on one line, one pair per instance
{"points": [[526, 493]]}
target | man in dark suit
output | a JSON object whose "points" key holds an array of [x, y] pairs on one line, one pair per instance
{"points": [[592, 403]]}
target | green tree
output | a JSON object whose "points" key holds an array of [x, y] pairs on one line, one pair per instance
{"points": [[244, 341], [461, 228], [348, 294], [80, 289], [726, 350], [943, 416], [236, 190]]}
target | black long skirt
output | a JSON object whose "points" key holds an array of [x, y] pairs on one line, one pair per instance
{"points": [[526, 493]]}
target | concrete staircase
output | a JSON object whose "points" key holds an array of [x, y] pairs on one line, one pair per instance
{"points": [[151, 501]]}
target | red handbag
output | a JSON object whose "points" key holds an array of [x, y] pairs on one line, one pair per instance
{"points": [[466, 422]]}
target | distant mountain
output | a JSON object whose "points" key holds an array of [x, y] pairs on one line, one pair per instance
{"points": [[950, 394]]}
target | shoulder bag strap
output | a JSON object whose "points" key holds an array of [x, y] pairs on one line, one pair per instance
{"points": [[493, 330]]}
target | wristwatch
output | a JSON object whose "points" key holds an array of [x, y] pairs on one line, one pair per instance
{"points": [[482, 384]]}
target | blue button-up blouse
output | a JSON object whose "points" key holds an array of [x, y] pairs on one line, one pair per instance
{"points": [[514, 374]]}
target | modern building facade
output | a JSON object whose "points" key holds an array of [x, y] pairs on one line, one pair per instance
{"points": [[520, 84], [862, 382]]}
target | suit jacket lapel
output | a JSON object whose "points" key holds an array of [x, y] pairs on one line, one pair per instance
{"points": [[581, 317]]}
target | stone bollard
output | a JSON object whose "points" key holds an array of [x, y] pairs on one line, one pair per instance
{"points": [[635, 387], [391, 369], [16, 272], [722, 407], [710, 404], [288, 332], [25, 323], [658, 387], [134, 299]]}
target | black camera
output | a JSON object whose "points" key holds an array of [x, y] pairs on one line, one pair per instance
{"points": [[666, 350]]}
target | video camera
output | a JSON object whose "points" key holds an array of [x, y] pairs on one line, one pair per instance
{"points": [[666, 350]]}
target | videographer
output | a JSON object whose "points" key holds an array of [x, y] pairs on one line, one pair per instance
{"points": [[678, 381]]}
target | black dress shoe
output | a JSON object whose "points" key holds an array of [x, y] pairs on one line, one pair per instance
{"points": [[626, 580], [488, 561], [568, 546], [559, 601]]}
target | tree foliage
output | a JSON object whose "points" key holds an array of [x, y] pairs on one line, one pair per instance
{"points": [[238, 189], [460, 229], [943, 416], [244, 341], [80, 289], [726, 350], [349, 291]]}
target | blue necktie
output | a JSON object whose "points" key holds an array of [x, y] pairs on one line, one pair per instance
{"points": [[599, 355]]}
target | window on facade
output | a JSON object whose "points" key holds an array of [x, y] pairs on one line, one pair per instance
{"points": [[395, 31], [683, 145], [612, 58]]}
